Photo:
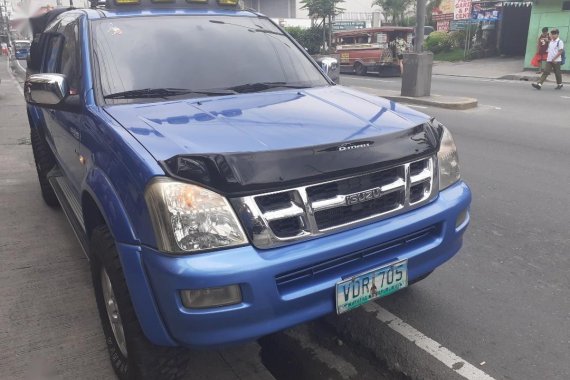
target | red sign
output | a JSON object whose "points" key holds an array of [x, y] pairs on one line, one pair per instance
{"points": [[442, 26]]}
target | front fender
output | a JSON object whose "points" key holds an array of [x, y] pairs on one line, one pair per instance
{"points": [[109, 205], [98, 186]]}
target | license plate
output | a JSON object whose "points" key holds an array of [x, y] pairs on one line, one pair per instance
{"points": [[363, 288]]}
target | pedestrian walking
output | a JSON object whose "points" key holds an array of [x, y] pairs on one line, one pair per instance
{"points": [[4, 47], [541, 55], [401, 47], [554, 60]]}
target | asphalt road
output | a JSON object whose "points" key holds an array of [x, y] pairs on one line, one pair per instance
{"points": [[504, 300]]}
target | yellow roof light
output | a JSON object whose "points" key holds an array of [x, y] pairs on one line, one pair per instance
{"points": [[227, 2], [198, 1], [126, 2]]}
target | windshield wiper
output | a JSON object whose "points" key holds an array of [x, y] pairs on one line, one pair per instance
{"points": [[164, 93], [262, 86]]}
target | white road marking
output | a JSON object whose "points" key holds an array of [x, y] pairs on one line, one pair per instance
{"points": [[456, 363], [493, 107], [13, 77], [369, 79], [565, 97], [415, 106]]}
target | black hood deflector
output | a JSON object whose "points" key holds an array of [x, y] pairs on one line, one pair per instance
{"points": [[239, 174]]}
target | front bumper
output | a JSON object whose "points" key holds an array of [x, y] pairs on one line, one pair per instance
{"points": [[276, 293]]}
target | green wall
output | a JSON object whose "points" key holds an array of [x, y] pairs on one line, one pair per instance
{"points": [[547, 13]]}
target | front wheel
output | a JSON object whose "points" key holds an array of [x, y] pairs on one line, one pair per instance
{"points": [[360, 69], [133, 356]]}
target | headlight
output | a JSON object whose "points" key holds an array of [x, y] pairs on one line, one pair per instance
{"points": [[189, 218], [448, 160]]}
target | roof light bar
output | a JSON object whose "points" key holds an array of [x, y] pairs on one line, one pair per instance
{"points": [[161, 4]]}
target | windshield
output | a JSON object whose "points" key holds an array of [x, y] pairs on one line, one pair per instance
{"points": [[22, 45], [203, 54]]}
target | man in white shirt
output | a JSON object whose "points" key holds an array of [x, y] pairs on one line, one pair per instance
{"points": [[553, 61]]}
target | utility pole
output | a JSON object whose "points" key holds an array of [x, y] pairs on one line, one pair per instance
{"points": [[420, 23], [416, 78]]}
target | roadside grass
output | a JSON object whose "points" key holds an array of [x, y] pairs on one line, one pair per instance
{"points": [[451, 56]]}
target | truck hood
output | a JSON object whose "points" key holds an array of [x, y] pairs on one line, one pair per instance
{"points": [[281, 129]]}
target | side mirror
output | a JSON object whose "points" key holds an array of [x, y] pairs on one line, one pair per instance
{"points": [[46, 89]]}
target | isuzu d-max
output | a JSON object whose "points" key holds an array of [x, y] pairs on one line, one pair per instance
{"points": [[221, 185]]}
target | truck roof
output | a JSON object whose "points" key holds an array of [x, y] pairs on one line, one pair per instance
{"points": [[39, 23]]}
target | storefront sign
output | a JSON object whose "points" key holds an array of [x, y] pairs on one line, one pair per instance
{"points": [[462, 10], [349, 25], [444, 12], [443, 17], [443, 26], [460, 24], [486, 11]]}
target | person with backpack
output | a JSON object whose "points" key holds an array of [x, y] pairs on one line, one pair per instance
{"points": [[556, 58]]}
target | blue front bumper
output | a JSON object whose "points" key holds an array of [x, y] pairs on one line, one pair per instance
{"points": [[277, 290]]}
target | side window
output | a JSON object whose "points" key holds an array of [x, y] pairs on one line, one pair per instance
{"points": [[70, 56], [52, 53]]}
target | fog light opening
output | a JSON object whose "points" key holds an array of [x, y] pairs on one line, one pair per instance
{"points": [[461, 219], [211, 297]]}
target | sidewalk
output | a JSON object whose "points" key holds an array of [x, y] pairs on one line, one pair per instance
{"points": [[493, 68]]}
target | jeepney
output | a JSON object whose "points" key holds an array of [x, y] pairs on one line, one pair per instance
{"points": [[371, 49]]}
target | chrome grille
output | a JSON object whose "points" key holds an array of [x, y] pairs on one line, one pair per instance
{"points": [[287, 216]]}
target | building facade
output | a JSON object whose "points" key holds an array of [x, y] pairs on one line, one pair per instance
{"points": [[274, 8], [552, 14]]}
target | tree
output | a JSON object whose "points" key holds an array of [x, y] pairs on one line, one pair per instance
{"points": [[394, 9], [323, 10], [432, 4]]}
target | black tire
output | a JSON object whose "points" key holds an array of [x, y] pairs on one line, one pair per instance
{"points": [[143, 360], [45, 161], [360, 69]]}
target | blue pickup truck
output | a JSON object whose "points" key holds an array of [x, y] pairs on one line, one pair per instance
{"points": [[221, 185]]}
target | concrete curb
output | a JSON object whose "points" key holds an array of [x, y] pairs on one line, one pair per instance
{"points": [[448, 102], [362, 328], [531, 78], [520, 77], [459, 104]]}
